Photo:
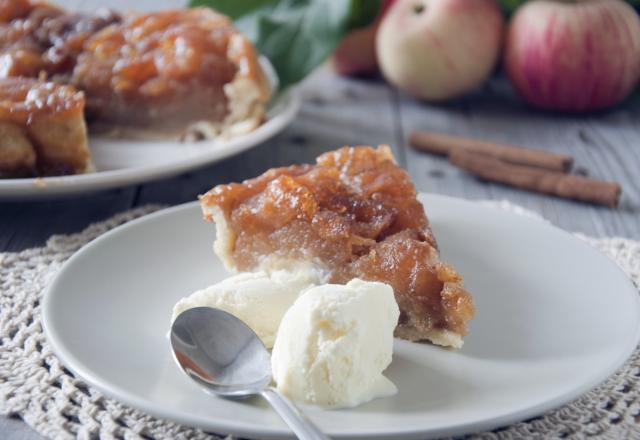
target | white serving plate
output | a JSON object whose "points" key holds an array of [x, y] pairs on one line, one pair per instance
{"points": [[554, 319]]}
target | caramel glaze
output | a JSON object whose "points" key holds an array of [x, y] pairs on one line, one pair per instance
{"points": [[356, 213]]}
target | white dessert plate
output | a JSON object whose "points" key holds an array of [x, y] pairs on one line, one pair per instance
{"points": [[121, 162], [554, 319]]}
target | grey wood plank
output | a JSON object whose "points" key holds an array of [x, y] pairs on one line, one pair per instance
{"points": [[28, 224], [605, 145]]}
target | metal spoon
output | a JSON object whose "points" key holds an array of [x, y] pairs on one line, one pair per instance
{"points": [[222, 354]]}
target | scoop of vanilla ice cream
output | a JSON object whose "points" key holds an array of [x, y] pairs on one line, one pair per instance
{"points": [[260, 299], [334, 343]]}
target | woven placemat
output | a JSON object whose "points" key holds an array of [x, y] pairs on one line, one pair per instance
{"points": [[36, 387]]}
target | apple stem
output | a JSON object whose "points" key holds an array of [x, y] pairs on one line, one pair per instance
{"points": [[419, 8]]}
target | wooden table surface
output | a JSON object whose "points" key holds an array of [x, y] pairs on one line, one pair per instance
{"points": [[338, 111]]}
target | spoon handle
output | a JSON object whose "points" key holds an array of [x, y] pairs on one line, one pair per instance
{"points": [[299, 424]]}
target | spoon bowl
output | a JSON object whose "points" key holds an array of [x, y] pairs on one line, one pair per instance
{"points": [[226, 357], [220, 352]]}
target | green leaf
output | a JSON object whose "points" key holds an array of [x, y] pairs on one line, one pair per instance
{"points": [[300, 35], [295, 35]]}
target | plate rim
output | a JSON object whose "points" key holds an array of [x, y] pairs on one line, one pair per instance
{"points": [[35, 188], [233, 428]]}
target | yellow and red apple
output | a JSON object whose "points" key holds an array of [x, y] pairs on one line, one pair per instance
{"points": [[574, 56], [439, 49]]}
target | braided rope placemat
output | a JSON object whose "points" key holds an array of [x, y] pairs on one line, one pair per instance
{"points": [[35, 386]]}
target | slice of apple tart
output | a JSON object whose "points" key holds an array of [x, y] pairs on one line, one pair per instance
{"points": [[42, 129], [354, 214]]}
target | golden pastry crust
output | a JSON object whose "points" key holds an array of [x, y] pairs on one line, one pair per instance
{"points": [[355, 214]]}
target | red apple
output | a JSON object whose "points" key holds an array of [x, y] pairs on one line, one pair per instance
{"points": [[439, 49], [356, 53], [574, 56]]}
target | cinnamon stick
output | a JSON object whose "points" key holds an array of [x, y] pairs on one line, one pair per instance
{"points": [[444, 144], [536, 179]]}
